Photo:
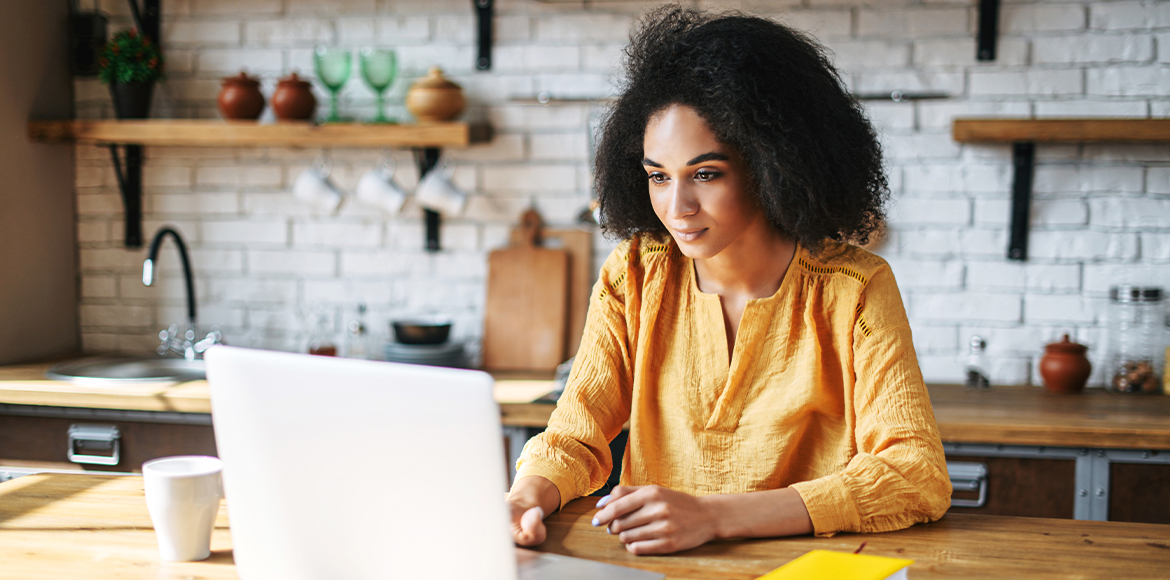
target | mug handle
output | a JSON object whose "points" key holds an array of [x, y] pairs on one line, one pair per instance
{"points": [[388, 165], [323, 164]]}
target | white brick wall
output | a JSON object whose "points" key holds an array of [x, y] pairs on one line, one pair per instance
{"points": [[1101, 212]]}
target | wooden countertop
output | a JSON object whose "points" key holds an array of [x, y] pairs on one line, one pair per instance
{"points": [[27, 385], [1002, 415], [96, 527], [1032, 416]]}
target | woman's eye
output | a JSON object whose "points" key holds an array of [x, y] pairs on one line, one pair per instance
{"points": [[706, 175], [657, 178]]}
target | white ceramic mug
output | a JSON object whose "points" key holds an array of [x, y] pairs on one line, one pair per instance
{"points": [[377, 188], [436, 192], [182, 495], [314, 187]]}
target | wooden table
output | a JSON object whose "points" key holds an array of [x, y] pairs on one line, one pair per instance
{"points": [[95, 527]]}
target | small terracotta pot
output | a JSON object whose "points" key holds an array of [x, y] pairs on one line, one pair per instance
{"points": [[1064, 367], [293, 99], [240, 98], [433, 98]]}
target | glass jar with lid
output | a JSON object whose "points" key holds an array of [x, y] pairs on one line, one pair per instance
{"points": [[1136, 339]]}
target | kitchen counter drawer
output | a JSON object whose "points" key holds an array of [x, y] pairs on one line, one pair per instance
{"points": [[1033, 487], [1123, 485], [40, 436]]}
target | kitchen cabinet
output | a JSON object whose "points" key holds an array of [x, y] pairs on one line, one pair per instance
{"points": [[1121, 485], [1138, 492], [1032, 487], [38, 437]]}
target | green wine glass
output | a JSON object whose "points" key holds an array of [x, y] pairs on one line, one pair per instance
{"points": [[379, 67], [333, 67]]}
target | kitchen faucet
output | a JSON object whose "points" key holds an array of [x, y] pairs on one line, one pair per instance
{"points": [[187, 347]]}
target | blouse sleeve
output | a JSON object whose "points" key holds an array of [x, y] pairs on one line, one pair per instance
{"points": [[573, 452], [898, 476]]}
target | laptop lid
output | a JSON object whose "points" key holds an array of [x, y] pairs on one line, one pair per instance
{"points": [[337, 468]]}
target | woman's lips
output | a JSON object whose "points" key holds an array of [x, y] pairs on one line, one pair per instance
{"points": [[689, 235]]}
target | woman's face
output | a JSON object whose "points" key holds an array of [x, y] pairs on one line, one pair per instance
{"points": [[698, 186]]}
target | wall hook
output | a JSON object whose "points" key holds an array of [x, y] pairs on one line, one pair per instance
{"points": [[483, 17]]}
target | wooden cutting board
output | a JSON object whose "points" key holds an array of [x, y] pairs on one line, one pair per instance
{"points": [[527, 304], [579, 244]]}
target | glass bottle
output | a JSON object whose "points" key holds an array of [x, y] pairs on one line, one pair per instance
{"points": [[357, 337], [321, 336], [1135, 336], [1166, 361], [977, 365]]}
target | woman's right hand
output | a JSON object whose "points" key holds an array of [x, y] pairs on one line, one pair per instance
{"points": [[532, 497], [527, 525]]}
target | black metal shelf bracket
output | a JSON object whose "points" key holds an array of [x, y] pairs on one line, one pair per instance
{"points": [[988, 30], [147, 18], [427, 158], [1023, 161], [483, 17], [130, 184]]}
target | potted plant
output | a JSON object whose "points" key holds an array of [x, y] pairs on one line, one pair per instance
{"points": [[131, 63]]}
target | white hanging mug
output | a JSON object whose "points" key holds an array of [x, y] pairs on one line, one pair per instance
{"points": [[314, 187], [377, 188], [436, 192]]}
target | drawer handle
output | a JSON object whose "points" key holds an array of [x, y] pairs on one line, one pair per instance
{"points": [[89, 437], [968, 476]]}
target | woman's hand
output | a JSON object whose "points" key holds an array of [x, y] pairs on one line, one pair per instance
{"points": [[531, 498], [527, 525], [656, 520]]}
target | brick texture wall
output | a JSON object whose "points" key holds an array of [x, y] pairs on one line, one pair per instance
{"points": [[1101, 213]]}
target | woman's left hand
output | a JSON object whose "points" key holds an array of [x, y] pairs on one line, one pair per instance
{"points": [[656, 520]]}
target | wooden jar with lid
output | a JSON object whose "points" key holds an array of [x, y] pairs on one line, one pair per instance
{"points": [[434, 98]]}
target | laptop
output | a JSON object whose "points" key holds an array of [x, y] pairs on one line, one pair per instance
{"points": [[350, 469]]}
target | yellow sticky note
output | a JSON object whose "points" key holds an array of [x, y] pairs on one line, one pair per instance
{"points": [[826, 565]]}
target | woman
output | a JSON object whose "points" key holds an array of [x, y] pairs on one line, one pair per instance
{"points": [[765, 367]]}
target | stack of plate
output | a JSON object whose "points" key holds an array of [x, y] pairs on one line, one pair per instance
{"points": [[448, 354]]}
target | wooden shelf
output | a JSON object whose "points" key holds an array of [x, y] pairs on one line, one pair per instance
{"points": [[1061, 130], [1024, 134], [216, 133]]}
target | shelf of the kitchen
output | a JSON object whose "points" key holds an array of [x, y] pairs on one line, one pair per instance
{"points": [[217, 133], [1061, 130], [1024, 134]]}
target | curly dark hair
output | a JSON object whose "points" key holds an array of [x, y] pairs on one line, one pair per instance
{"points": [[768, 92]]}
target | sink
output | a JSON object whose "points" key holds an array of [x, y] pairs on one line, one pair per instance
{"points": [[107, 370]]}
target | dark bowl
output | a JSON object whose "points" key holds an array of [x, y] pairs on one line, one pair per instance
{"points": [[421, 331]]}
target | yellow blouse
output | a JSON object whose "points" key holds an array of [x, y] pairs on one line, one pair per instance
{"points": [[822, 393]]}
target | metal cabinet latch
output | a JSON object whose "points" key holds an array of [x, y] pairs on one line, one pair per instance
{"points": [[86, 441], [968, 476]]}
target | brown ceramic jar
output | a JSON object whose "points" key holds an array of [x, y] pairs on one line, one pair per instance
{"points": [[240, 98], [293, 99], [1064, 367], [433, 98]]}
